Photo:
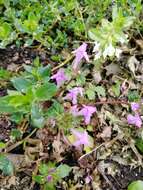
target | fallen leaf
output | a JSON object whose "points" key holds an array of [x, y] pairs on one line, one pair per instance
{"points": [[106, 133], [113, 68], [133, 64]]}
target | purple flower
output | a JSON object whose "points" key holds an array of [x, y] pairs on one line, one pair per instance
{"points": [[88, 179], [73, 93], [82, 138], [135, 106], [49, 178], [80, 53], [60, 77], [87, 112], [134, 120]]}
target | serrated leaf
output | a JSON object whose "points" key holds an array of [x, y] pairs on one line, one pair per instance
{"points": [[133, 96], [39, 179], [90, 94], [44, 72], [43, 169], [16, 134], [100, 91], [6, 165], [63, 170], [55, 109]]}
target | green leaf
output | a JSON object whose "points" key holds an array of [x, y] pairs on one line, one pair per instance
{"points": [[55, 109], [44, 72], [6, 165], [100, 91], [139, 144], [37, 116], [21, 84], [90, 94], [43, 169], [4, 74], [2, 145], [16, 134], [16, 117], [63, 170], [5, 30], [36, 62], [133, 96], [4, 105], [49, 186], [136, 185], [116, 88], [39, 179], [46, 91]]}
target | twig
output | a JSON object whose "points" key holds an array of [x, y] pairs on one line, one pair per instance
{"points": [[112, 102], [8, 149], [103, 144]]}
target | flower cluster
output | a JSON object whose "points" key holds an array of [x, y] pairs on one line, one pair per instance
{"points": [[60, 77], [80, 53], [81, 138], [86, 112], [73, 94]]}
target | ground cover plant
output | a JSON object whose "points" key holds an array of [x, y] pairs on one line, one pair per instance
{"points": [[71, 94]]}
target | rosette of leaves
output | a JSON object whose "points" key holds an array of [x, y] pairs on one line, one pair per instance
{"points": [[49, 175], [30, 90]]}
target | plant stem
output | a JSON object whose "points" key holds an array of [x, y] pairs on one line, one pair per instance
{"points": [[112, 102], [63, 63]]}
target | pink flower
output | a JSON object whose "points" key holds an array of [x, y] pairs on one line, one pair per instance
{"points": [[80, 53], [87, 112], [49, 178], [134, 120], [73, 93], [60, 77], [135, 106], [88, 179], [82, 138]]}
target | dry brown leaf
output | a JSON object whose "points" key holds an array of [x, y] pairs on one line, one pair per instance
{"points": [[106, 133], [58, 149], [113, 68]]}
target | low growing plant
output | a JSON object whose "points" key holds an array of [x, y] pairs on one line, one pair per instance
{"points": [[30, 90], [49, 175]]}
